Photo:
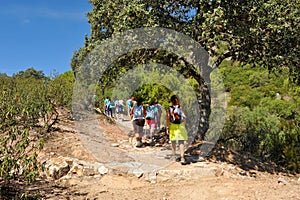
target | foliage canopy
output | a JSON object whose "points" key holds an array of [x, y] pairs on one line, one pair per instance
{"points": [[265, 33]]}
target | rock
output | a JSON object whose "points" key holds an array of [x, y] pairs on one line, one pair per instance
{"points": [[57, 168], [282, 181], [102, 170], [152, 177], [252, 173], [243, 173], [77, 169], [200, 159], [115, 144], [199, 164], [219, 172], [97, 176], [165, 174], [138, 172], [184, 174], [128, 146], [88, 171]]}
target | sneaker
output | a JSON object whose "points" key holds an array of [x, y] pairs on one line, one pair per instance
{"points": [[139, 144], [182, 161], [152, 143], [173, 158]]}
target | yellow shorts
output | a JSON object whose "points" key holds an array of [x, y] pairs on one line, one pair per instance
{"points": [[178, 132]]}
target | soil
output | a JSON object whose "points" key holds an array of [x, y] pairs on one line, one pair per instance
{"points": [[237, 179]]}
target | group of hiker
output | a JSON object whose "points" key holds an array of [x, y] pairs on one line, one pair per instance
{"points": [[150, 115], [111, 108], [140, 114]]}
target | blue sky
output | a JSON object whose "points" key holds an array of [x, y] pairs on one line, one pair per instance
{"points": [[42, 34]]}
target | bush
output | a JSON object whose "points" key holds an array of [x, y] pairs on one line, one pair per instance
{"points": [[26, 113], [61, 89]]}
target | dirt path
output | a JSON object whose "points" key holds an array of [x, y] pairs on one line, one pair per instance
{"points": [[174, 182]]}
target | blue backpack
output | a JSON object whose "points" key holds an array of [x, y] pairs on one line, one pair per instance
{"points": [[151, 112], [138, 112]]}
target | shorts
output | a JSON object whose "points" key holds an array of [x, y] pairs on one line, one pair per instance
{"points": [[178, 132], [151, 123], [138, 125]]}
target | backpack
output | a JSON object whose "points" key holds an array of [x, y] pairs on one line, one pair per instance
{"points": [[111, 105], [176, 115], [151, 111], [159, 109], [138, 112], [129, 103]]}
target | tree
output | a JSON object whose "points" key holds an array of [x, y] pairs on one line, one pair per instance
{"points": [[30, 73], [264, 33], [61, 89]]}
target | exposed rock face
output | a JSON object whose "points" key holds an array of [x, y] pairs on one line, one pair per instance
{"points": [[60, 167], [57, 167]]}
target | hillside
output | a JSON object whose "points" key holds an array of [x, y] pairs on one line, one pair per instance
{"points": [[211, 178]]}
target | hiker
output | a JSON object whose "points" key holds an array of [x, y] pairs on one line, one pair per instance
{"points": [[106, 105], [121, 106], [158, 115], [111, 108], [176, 127], [117, 104], [129, 104], [138, 113], [151, 119]]}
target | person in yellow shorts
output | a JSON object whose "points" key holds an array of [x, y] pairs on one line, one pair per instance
{"points": [[175, 124]]}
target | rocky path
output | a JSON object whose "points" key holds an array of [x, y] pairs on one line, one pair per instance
{"points": [[120, 154], [92, 159]]}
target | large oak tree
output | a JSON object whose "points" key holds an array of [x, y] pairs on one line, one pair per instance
{"points": [[264, 33]]}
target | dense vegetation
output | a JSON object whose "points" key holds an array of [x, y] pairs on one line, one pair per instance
{"points": [[263, 116], [28, 108]]}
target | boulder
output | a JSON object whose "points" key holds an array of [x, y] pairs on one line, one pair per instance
{"points": [[57, 167]]}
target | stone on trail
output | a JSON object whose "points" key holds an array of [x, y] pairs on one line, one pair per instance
{"points": [[77, 169], [152, 177], [102, 170], [282, 181], [199, 164], [57, 168], [138, 172], [115, 144], [219, 172]]}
